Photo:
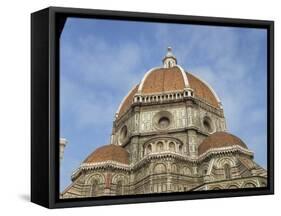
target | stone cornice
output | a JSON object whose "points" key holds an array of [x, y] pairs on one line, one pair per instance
{"points": [[225, 150], [98, 165], [232, 181], [161, 155], [175, 99], [160, 133]]}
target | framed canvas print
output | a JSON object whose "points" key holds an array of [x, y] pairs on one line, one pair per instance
{"points": [[139, 107]]}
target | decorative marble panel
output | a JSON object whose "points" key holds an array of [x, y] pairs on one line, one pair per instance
{"points": [[179, 119]]}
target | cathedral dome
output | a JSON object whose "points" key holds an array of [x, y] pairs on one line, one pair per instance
{"points": [[170, 78], [163, 80], [220, 140], [203, 91], [108, 153], [175, 79]]}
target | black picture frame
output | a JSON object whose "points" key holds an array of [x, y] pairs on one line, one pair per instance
{"points": [[46, 26]]}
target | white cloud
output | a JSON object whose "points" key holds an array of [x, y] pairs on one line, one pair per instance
{"points": [[95, 78], [86, 108], [94, 59]]}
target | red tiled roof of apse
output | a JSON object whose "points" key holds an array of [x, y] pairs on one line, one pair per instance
{"points": [[220, 140], [109, 152]]}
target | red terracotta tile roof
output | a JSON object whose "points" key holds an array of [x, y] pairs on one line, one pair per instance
{"points": [[164, 79], [109, 153], [201, 90], [128, 101], [219, 140], [170, 79]]}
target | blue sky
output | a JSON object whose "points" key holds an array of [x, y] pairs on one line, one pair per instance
{"points": [[102, 59]]}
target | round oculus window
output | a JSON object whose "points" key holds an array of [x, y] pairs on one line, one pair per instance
{"points": [[163, 122], [123, 134], [207, 125]]}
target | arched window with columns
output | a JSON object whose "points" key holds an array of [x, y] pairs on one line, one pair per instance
{"points": [[148, 149], [94, 189], [159, 146], [172, 146], [249, 185], [159, 168], [227, 171], [119, 187]]}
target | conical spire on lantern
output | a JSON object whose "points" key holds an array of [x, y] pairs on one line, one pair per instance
{"points": [[169, 60]]}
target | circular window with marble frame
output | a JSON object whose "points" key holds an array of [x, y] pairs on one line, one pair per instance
{"points": [[123, 135], [162, 120], [207, 124]]}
